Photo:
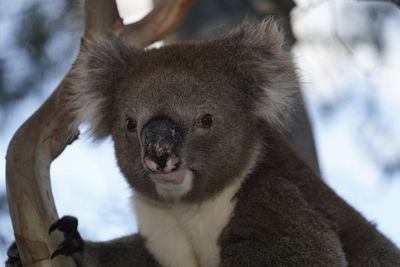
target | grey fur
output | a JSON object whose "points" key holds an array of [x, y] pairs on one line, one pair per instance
{"points": [[284, 214]]}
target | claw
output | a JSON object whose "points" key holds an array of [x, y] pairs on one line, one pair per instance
{"points": [[12, 251], [54, 226], [59, 250], [13, 257], [66, 224], [73, 241], [55, 253]]}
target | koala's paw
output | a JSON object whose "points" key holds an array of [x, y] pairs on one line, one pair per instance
{"points": [[13, 257], [73, 242]]}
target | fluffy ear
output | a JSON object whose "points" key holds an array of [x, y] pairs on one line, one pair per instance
{"points": [[95, 83], [270, 71]]}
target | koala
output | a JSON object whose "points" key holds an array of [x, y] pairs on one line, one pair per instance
{"points": [[197, 129]]}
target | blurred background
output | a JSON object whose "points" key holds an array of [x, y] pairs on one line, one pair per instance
{"points": [[348, 56]]}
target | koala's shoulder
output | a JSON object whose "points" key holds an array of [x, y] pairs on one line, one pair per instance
{"points": [[272, 221]]}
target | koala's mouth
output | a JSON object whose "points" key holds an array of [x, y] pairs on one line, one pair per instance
{"points": [[171, 178], [174, 185]]}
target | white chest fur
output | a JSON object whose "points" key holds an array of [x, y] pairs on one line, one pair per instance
{"points": [[183, 235]]}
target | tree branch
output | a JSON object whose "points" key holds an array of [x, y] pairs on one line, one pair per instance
{"points": [[163, 20], [53, 126]]}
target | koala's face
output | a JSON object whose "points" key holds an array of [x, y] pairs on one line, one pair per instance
{"points": [[183, 135], [186, 119]]}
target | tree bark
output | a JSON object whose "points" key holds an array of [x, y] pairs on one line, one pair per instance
{"points": [[53, 126]]}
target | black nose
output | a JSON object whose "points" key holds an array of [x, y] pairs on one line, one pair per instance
{"points": [[161, 140]]}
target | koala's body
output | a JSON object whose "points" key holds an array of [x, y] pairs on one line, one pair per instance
{"points": [[196, 134]]}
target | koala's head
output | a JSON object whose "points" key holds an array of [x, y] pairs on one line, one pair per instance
{"points": [[186, 119]]}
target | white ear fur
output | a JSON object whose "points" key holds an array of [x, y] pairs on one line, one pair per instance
{"points": [[272, 71], [95, 84]]}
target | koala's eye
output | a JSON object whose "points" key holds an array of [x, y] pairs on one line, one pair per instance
{"points": [[205, 121], [130, 125]]}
